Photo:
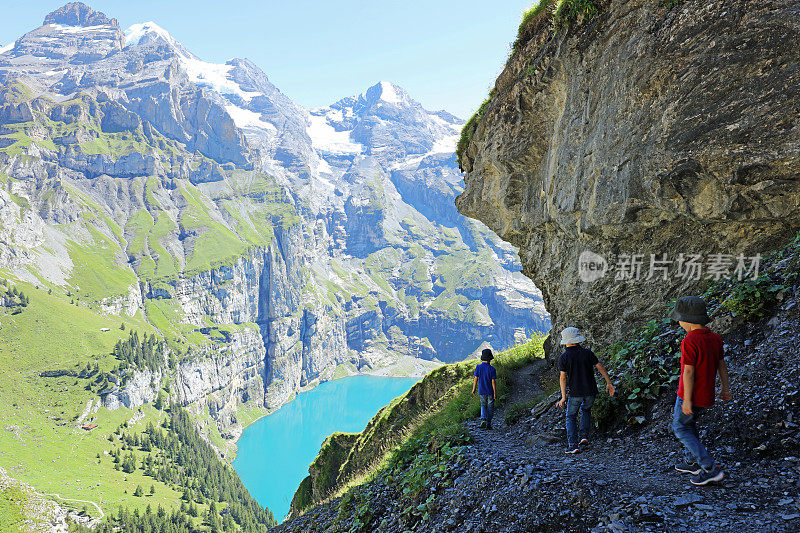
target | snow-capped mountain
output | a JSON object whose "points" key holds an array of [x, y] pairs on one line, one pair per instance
{"points": [[383, 122], [317, 239]]}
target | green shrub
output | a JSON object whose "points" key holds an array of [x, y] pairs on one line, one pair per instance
{"points": [[751, 299], [568, 12], [644, 364], [356, 504], [422, 461], [669, 4], [606, 411]]}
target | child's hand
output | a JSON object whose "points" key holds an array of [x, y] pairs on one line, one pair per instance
{"points": [[562, 403], [725, 396], [611, 390], [687, 408]]}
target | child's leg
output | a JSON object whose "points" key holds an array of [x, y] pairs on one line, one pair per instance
{"points": [[686, 431], [706, 459], [586, 416], [489, 409], [573, 405], [484, 405]]}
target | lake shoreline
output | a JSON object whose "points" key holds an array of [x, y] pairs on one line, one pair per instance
{"points": [[274, 456], [420, 371]]}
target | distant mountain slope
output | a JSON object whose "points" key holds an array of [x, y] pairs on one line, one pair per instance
{"points": [[269, 247]]}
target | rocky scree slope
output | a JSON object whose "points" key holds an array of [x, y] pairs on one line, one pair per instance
{"points": [[270, 246], [517, 478], [647, 129]]}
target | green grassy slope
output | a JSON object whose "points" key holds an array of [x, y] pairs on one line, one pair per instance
{"points": [[39, 441], [434, 408]]}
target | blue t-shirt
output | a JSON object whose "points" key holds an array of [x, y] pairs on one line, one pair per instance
{"points": [[485, 373]]}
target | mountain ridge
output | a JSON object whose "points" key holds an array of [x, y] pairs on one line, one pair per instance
{"points": [[131, 199]]}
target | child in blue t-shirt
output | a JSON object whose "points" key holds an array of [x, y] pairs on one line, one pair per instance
{"points": [[486, 381]]}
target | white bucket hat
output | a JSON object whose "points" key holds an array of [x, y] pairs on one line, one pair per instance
{"points": [[571, 336]]}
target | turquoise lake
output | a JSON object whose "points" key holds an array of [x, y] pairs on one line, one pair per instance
{"points": [[275, 451]]}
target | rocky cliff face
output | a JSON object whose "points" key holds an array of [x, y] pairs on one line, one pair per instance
{"points": [[641, 135], [270, 246]]}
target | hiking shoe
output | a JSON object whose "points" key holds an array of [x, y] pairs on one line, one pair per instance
{"points": [[572, 449], [584, 441], [482, 424], [689, 468], [708, 476], [488, 426]]}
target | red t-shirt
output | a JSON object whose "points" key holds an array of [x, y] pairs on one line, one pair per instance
{"points": [[702, 349]]}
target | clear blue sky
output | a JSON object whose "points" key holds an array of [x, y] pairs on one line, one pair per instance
{"points": [[445, 53]]}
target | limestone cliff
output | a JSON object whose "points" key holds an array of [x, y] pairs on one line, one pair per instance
{"points": [[645, 130]]}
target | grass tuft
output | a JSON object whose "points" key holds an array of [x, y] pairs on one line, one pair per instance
{"points": [[468, 131], [569, 12], [528, 27]]}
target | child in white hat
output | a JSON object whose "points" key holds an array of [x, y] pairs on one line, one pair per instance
{"points": [[576, 369]]}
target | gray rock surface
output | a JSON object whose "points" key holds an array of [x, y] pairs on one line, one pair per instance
{"points": [[646, 131]]}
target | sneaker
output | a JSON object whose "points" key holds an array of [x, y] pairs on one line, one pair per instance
{"points": [[488, 426], [584, 441], [708, 476], [572, 449], [482, 424], [689, 468]]}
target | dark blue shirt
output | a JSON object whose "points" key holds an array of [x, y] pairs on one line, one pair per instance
{"points": [[485, 373], [578, 362]]}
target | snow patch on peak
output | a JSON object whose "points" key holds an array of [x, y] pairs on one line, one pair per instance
{"points": [[82, 29], [202, 73], [326, 138], [6, 48], [388, 93], [382, 91], [214, 76], [244, 118], [136, 32]]}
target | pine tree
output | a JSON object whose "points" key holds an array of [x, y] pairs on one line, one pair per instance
{"points": [[159, 403], [139, 491]]}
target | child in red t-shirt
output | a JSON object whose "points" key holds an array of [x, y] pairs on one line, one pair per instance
{"points": [[702, 356]]}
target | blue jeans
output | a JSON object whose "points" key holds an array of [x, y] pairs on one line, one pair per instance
{"points": [[685, 429], [584, 404], [487, 407]]}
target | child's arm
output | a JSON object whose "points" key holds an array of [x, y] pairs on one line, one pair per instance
{"points": [[725, 394], [609, 387], [494, 389], [563, 381], [688, 389], [474, 384]]}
